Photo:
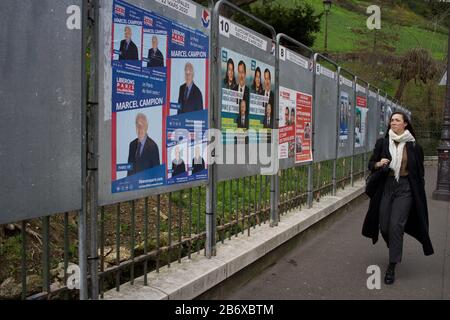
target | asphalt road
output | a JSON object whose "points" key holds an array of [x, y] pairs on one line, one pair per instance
{"points": [[332, 264]]}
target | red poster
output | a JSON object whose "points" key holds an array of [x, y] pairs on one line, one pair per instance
{"points": [[303, 134]]}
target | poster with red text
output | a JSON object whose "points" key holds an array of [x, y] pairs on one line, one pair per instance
{"points": [[303, 128]]}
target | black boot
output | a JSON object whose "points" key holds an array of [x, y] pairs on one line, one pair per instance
{"points": [[389, 278]]}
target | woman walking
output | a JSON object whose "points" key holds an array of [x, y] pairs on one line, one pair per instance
{"points": [[399, 204]]}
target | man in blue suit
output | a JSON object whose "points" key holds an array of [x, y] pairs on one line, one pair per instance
{"points": [[144, 152], [190, 97]]}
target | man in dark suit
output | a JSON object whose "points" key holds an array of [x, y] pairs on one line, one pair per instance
{"points": [[267, 87], [242, 119], [128, 50], [155, 56], [190, 97], [242, 87], [198, 163], [268, 122], [144, 152]]}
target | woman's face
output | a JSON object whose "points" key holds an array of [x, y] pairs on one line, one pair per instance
{"points": [[258, 79], [230, 72], [398, 125]]}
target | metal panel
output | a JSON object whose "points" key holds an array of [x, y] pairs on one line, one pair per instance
{"points": [[346, 107], [382, 114], [258, 49], [389, 111], [374, 116], [196, 19], [325, 113], [296, 73], [41, 87]]}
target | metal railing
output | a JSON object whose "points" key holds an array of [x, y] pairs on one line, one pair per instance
{"points": [[141, 236]]}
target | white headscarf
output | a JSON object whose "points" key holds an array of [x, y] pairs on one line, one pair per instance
{"points": [[397, 151]]}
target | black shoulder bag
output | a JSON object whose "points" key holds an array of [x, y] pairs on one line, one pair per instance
{"points": [[374, 178]]}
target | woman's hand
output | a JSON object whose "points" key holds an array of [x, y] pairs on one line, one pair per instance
{"points": [[382, 162]]}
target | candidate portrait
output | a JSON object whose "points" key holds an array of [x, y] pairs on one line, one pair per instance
{"points": [[242, 119], [230, 80], [128, 49], [242, 88], [178, 165], [268, 93], [143, 151], [190, 97], [307, 131], [198, 163], [155, 56], [267, 122]]}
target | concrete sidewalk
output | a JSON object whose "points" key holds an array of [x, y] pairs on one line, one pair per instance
{"points": [[332, 264]]}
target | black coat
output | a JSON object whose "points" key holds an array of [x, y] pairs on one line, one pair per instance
{"points": [[131, 53], [148, 159], [155, 59], [417, 225], [194, 101]]}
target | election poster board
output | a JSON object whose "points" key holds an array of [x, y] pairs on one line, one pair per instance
{"points": [[326, 113], [42, 103], [295, 135], [155, 111], [247, 97], [246, 101]]}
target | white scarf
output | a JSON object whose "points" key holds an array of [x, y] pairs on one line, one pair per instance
{"points": [[397, 151]]}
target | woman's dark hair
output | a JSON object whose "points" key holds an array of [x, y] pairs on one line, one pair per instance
{"points": [[258, 70], [233, 81], [406, 119]]}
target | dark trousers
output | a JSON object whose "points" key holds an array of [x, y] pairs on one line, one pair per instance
{"points": [[394, 210]]}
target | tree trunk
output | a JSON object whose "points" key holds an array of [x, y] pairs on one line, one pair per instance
{"points": [[401, 88]]}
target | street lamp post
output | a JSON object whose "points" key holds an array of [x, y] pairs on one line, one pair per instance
{"points": [[442, 191], [327, 8]]}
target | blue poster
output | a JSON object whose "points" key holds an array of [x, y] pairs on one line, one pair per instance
{"points": [[159, 100], [188, 119], [344, 117]]}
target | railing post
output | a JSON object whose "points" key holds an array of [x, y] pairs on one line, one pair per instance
{"points": [[352, 165], [274, 200], [82, 215], [92, 149], [310, 185], [334, 177], [211, 195]]}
